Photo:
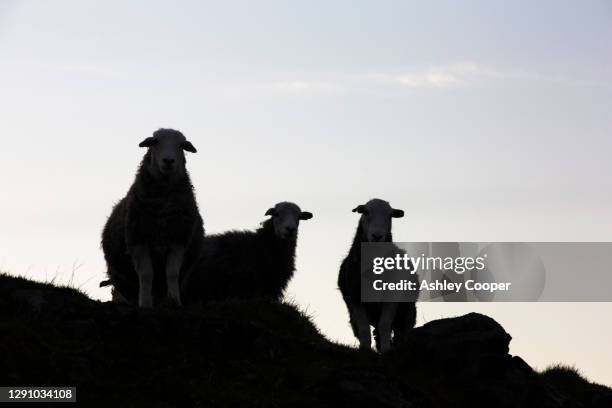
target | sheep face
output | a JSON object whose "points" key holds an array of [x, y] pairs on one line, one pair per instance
{"points": [[167, 153], [375, 220], [286, 219]]}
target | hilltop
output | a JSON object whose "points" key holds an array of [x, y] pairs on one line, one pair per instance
{"points": [[260, 354]]}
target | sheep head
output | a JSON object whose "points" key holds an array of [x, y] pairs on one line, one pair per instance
{"points": [[166, 152], [375, 221], [286, 219]]}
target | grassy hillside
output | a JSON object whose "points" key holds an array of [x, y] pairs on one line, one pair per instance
{"points": [[259, 354]]}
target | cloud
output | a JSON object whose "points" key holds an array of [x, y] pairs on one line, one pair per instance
{"points": [[449, 76], [441, 77], [471, 74]]}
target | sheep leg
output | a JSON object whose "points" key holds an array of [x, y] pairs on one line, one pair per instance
{"points": [[141, 257], [173, 270], [360, 317], [387, 315], [405, 323]]}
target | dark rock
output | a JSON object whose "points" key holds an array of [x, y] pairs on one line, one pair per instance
{"points": [[458, 338]]}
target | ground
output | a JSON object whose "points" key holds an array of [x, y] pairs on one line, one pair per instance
{"points": [[260, 354]]}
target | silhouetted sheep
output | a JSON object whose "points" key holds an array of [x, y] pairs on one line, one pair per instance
{"points": [[155, 232], [248, 264], [386, 317]]}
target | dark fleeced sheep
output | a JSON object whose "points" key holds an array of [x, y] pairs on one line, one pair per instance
{"points": [[388, 318], [248, 264], [154, 233]]}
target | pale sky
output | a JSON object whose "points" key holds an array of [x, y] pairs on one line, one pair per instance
{"points": [[487, 122]]}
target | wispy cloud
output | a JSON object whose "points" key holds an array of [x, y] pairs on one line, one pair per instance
{"points": [[444, 77], [449, 76]]}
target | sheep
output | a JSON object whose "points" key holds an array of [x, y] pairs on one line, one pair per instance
{"points": [[248, 264], [156, 230], [386, 317]]}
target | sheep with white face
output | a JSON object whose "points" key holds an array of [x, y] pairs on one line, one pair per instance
{"points": [[154, 233], [248, 264], [391, 320]]}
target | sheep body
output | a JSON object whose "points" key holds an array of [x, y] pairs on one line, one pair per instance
{"points": [[388, 318], [244, 264], [159, 214]]}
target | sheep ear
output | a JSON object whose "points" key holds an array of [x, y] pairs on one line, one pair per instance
{"points": [[188, 147], [305, 215], [359, 209], [397, 213], [272, 212], [148, 142]]}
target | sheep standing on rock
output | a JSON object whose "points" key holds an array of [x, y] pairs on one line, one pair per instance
{"points": [[154, 233], [248, 264], [387, 317]]}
